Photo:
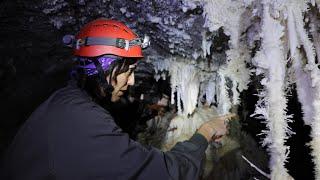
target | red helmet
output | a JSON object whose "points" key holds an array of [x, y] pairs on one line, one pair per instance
{"points": [[104, 36]]}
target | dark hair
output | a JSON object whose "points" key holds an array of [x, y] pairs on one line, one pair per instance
{"points": [[92, 84]]}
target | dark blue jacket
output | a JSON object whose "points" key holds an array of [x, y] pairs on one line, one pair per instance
{"points": [[70, 137]]}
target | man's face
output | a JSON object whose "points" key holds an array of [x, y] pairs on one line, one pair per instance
{"points": [[124, 80]]}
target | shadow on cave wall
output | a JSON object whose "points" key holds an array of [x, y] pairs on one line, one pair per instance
{"points": [[33, 64]]}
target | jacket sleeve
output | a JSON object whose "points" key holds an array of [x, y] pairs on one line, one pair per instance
{"points": [[96, 148], [185, 159]]}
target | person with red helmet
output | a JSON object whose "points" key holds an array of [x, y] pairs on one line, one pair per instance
{"points": [[71, 136]]}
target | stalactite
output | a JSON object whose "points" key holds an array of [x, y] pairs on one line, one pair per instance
{"points": [[187, 85], [205, 45], [315, 34], [272, 106], [228, 14], [237, 71], [314, 77], [223, 99], [303, 80], [185, 82], [211, 91], [315, 143]]}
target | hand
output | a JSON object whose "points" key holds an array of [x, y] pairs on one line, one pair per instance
{"points": [[216, 128]]}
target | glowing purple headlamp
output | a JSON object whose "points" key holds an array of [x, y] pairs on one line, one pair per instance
{"points": [[89, 67]]}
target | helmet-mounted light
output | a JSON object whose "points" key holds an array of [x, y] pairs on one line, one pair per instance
{"points": [[146, 42]]}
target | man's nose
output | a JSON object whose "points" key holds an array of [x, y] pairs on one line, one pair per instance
{"points": [[131, 79]]}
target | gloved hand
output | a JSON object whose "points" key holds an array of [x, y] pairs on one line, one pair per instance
{"points": [[216, 128]]}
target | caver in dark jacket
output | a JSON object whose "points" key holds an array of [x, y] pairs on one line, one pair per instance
{"points": [[70, 137]]}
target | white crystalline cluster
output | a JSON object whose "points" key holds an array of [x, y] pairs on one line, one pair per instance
{"points": [[160, 65], [188, 5], [210, 91], [224, 103], [54, 6], [303, 80], [190, 81], [228, 14], [182, 128], [57, 22], [154, 19], [272, 107], [282, 31], [307, 75], [205, 45], [236, 71], [185, 82]]}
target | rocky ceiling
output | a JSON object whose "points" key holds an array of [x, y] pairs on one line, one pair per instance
{"points": [[176, 27]]}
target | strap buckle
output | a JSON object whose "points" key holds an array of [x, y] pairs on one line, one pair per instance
{"points": [[123, 43], [79, 42]]}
